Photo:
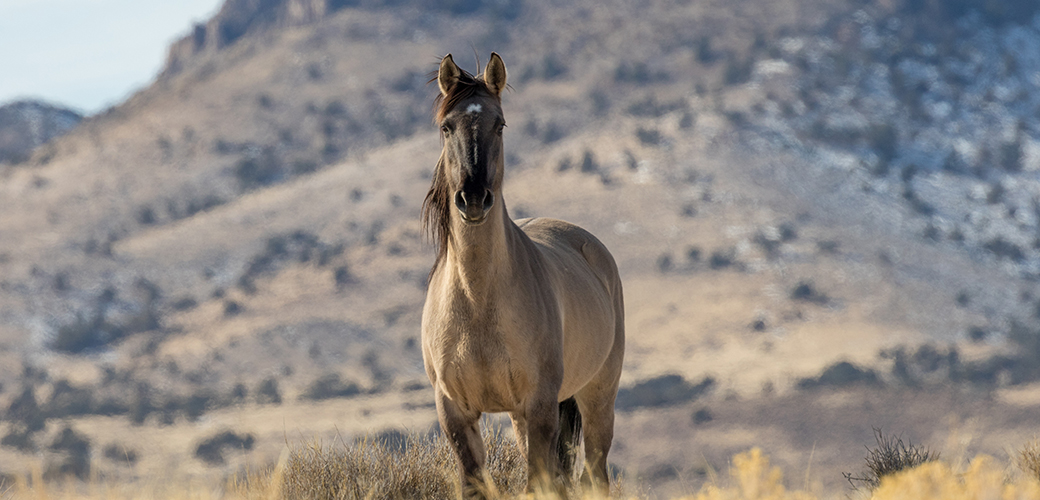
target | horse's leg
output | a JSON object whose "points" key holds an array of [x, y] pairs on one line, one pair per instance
{"points": [[596, 405], [520, 430], [462, 429], [543, 430]]}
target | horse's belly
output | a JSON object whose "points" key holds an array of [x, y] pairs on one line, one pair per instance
{"points": [[588, 341]]}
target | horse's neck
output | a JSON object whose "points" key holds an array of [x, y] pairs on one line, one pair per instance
{"points": [[481, 258]]}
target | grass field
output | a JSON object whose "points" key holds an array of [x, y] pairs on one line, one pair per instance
{"points": [[422, 467]]}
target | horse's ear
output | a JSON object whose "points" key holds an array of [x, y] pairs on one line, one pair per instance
{"points": [[448, 75], [495, 75]]}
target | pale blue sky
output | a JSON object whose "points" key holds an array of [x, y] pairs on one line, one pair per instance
{"points": [[88, 54]]}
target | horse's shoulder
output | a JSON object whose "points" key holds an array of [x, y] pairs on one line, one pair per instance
{"points": [[563, 235]]}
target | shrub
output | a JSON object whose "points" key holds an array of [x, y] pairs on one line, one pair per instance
{"points": [[67, 400], [840, 374], [721, 259], [184, 304], [1004, 249], [737, 71], [267, 392], [19, 437], [648, 136], [806, 292], [197, 404], [666, 390], [890, 456], [76, 450], [420, 467], [211, 450], [330, 386], [254, 171], [140, 404], [702, 416], [85, 334], [120, 454], [664, 263], [342, 277]]}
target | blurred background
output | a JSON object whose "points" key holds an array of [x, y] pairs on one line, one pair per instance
{"points": [[826, 214]]}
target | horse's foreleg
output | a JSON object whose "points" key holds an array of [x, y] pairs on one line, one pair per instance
{"points": [[462, 429], [520, 430], [543, 430]]}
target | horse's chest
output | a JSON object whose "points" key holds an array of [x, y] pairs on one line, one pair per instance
{"points": [[478, 369]]}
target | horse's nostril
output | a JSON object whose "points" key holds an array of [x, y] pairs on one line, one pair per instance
{"points": [[460, 200], [489, 199]]}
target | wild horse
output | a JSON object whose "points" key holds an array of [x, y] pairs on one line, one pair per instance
{"points": [[524, 317]]}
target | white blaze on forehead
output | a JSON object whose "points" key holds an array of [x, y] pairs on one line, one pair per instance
{"points": [[473, 108]]}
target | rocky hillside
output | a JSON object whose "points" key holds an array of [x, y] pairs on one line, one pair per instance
{"points": [[802, 196], [25, 125]]}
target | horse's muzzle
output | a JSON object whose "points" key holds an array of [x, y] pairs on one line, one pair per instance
{"points": [[474, 207]]}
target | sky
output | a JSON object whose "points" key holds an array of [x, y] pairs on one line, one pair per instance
{"points": [[89, 54]]}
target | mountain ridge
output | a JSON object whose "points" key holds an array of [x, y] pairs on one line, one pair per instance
{"points": [[28, 124]]}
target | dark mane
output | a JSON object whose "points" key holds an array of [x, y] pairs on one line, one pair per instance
{"points": [[436, 208]]}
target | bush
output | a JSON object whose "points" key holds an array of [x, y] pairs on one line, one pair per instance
{"points": [[20, 438], [330, 386], [648, 136], [1004, 249], [85, 334], [211, 450], [254, 171], [840, 374], [666, 390], [420, 467], [267, 392], [890, 456], [25, 410], [76, 450], [737, 71], [664, 263], [120, 454], [702, 416], [140, 405], [806, 292], [342, 277], [67, 401]]}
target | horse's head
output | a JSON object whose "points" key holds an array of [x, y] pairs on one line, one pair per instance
{"points": [[471, 121]]}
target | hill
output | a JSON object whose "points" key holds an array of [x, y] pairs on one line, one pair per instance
{"points": [[245, 231], [24, 125]]}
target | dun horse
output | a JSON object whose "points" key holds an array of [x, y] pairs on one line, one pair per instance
{"points": [[524, 317]]}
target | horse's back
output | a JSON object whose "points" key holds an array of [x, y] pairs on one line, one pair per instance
{"points": [[589, 288]]}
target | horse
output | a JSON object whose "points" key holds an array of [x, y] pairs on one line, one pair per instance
{"points": [[525, 317]]}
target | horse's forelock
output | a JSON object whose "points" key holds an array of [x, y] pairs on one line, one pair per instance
{"points": [[467, 86]]}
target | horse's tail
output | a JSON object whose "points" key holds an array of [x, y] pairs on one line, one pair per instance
{"points": [[570, 437]]}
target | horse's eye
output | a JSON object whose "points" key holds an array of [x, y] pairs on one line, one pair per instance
{"points": [[499, 128], [445, 129]]}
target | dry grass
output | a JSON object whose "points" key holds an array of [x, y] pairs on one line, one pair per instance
{"points": [[753, 478], [889, 457], [415, 467], [422, 467], [1029, 459]]}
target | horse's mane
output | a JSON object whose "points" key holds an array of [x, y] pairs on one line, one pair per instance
{"points": [[436, 208]]}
